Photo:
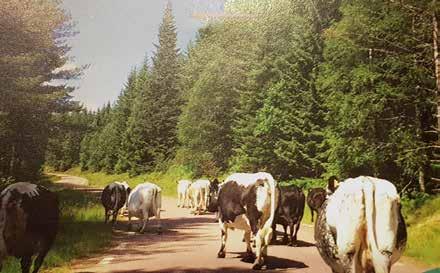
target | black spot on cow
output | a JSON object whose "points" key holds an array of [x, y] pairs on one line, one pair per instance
{"points": [[229, 201], [30, 225], [315, 199], [290, 212]]}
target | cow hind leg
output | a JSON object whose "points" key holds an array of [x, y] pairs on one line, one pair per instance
{"points": [[115, 215], [249, 256], [294, 239], [291, 229], [224, 237], [39, 260], [144, 224], [107, 216], [129, 222], [311, 212], [285, 238], [263, 239], [26, 264]]}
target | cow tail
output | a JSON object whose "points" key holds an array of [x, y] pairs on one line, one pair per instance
{"points": [[158, 200], [273, 202], [117, 198], [369, 192]]}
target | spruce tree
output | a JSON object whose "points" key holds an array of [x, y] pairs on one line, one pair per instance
{"points": [[165, 96]]}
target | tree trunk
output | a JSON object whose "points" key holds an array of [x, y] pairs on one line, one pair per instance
{"points": [[422, 180], [436, 43]]}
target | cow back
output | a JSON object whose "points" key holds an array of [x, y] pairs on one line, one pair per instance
{"points": [[29, 220], [291, 205], [114, 196]]}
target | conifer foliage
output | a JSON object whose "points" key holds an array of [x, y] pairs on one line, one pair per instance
{"points": [[298, 88]]}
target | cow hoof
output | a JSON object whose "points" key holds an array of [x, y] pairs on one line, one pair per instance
{"points": [[249, 258], [221, 254], [257, 266]]}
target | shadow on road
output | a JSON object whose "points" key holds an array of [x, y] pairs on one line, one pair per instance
{"points": [[275, 263]]}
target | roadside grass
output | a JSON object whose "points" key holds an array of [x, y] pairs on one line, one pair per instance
{"points": [[82, 231], [166, 180], [423, 222]]}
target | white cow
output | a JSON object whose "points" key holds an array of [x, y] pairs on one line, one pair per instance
{"points": [[248, 201], [145, 201], [183, 193], [198, 192], [360, 227]]}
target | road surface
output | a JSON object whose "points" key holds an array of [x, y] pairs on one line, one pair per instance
{"points": [[190, 243]]}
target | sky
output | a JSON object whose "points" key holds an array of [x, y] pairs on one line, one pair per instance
{"points": [[116, 35]]}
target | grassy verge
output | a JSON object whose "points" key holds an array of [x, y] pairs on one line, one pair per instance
{"points": [[81, 232], [423, 221], [165, 180]]}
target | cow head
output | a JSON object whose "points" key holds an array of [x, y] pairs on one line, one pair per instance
{"points": [[332, 184], [213, 196]]}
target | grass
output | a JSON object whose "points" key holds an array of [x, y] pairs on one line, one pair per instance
{"points": [[82, 231], [166, 180], [423, 223]]}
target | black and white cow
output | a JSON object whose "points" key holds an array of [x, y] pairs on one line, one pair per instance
{"points": [[290, 212], [145, 201], [315, 199], [113, 198], [29, 217], [248, 201], [360, 228]]}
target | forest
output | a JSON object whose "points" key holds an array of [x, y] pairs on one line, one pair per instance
{"points": [[297, 88]]}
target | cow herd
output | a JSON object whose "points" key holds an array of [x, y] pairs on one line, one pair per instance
{"points": [[359, 226]]}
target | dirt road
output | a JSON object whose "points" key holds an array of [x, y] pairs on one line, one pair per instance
{"points": [[190, 243]]}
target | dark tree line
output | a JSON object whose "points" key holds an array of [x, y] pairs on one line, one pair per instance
{"points": [[299, 88]]}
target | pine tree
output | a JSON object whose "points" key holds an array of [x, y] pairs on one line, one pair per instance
{"points": [[135, 142], [165, 96]]}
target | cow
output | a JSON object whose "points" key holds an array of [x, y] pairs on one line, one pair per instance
{"points": [[29, 219], [212, 201], [145, 201], [315, 198], [290, 212], [198, 192], [360, 227], [182, 193], [248, 201], [113, 198]]}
